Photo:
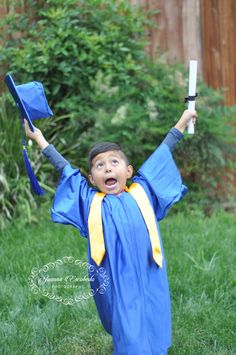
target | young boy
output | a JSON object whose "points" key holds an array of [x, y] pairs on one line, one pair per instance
{"points": [[124, 238]]}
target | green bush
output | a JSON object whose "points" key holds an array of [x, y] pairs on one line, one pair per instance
{"points": [[90, 56], [14, 189]]}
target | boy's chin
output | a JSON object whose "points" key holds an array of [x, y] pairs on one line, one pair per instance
{"points": [[116, 190]]}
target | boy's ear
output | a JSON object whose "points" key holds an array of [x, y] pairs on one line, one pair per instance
{"points": [[129, 171], [91, 179]]}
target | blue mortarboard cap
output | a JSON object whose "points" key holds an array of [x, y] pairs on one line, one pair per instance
{"points": [[34, 100], [31, 101]]}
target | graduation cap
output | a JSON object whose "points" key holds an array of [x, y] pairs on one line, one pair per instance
{"points": [[32, 104]]}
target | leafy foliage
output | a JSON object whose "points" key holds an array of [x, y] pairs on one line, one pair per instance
{"points": [[90, 56]]}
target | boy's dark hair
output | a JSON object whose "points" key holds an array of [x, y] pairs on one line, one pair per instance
{"points": [[102, 148]]}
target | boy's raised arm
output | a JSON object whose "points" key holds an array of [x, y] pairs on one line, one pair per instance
{"points": [[175, 134], [50, 152], [36, 136], [184, 120]]}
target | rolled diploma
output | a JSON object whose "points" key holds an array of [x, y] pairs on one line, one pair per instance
{"points": [[192, 91]]}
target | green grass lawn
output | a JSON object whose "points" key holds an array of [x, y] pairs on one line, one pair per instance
{"points": [[202, 273]]}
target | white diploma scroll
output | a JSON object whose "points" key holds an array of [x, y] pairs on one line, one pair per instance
{"points": [[192, 91]]}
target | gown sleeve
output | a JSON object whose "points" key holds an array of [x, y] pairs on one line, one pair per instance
{"points": [[161, 179], [72, 200]]}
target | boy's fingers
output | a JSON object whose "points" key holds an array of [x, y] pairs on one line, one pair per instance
{"points": [[27, 129]]}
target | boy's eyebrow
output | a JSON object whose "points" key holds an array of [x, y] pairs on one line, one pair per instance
{"points": [[114, 154], [96, 160]]}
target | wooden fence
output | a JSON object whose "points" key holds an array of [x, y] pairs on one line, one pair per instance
{"points": [[189, 29], [218, 22], [198, 29]]}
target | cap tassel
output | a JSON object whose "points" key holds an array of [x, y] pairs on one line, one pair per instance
{"points": [[38, 190], [33, 180]]}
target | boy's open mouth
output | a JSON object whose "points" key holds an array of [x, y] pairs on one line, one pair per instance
{"points": [[110, 182]]}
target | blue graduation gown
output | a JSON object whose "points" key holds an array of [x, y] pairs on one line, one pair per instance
{"points": [[135, 307]]}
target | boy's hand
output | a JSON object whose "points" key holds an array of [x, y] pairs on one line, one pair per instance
{"points": [[183, 122], [37, 135]]}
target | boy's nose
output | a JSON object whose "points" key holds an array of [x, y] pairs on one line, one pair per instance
{"points": [[108, 168]]}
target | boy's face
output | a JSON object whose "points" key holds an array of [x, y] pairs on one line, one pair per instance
{"points": [[110, 172]]}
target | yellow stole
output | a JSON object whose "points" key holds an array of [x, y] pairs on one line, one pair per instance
{"points": [[97, 245]]}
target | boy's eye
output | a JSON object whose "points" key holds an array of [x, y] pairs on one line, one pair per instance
{"points": [[99, 165], [114, 161]]}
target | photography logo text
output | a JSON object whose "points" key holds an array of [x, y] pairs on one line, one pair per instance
{"points": [[68, 280]]}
